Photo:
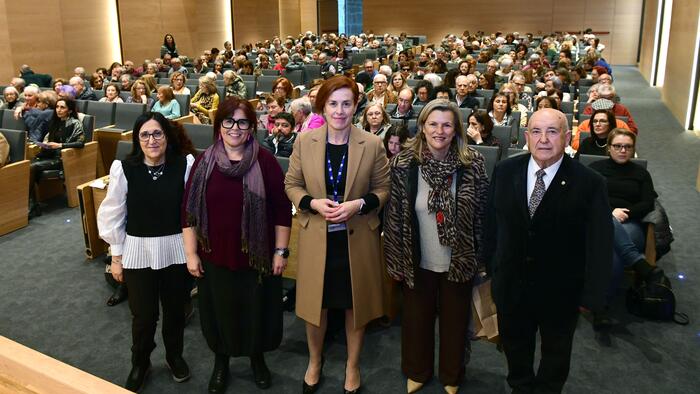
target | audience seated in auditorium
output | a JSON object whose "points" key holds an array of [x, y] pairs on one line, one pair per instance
{"points": [[169, 47], [509, 90], [177, 83], [394, 140], [205, 100], [274, 105], [82, 92], [166, 104], [31, 98], [141, 94], [479, 131], [499, 110], [125, 82], [366, 77], [465, 96], [65, 131], [10, 98], [234, 85], [283, 87], [282, 137], [404, 107], [57, 83], [398, 83], [115, 75], [112, 94], [422, 92], [304, 117], [442, 92], [30, 77], [176, 65], [603, 121], [36, 120]]}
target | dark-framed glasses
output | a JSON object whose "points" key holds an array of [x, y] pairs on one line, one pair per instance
{"points": [[156, 134], [620, 147], [243, 124]]}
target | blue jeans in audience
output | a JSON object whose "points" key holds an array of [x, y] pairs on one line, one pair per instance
{"points": [[627, 244]]}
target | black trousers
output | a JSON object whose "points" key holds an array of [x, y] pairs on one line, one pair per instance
{"points": [[146, 287], [517, 333], [434, 296]]}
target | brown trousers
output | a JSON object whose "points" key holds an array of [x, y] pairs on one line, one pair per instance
{"points": [[434, 296]]}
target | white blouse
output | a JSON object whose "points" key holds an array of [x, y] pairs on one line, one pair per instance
{"points": [[136, 252]]}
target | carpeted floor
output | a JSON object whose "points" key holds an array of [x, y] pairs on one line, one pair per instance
{"points": [[53, 300]]}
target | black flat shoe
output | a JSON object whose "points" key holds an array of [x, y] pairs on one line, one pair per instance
{"points": [[120, 295], [219, 377], [356, 391], [179, 368], [312, 388], [261, 374], [137, 377]]}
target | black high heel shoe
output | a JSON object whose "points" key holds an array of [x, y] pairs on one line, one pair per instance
{"points": [[312, 388], [120, 295]]}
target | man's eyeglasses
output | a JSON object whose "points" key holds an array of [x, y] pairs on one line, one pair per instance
{"points": [[228, 123], [620, 147], [146, 136]]}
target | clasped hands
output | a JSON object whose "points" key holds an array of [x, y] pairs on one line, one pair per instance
{"points": [[335, 212]]}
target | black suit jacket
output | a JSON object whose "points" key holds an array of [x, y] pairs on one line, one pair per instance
{"points": [[561, 257]]}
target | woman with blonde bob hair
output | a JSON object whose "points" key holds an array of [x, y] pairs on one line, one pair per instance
{"points": [[432, 231]]}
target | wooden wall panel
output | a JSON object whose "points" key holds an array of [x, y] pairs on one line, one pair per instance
{"points": [[328, 16], [290, 18], [651, 9], [7, 69], [87, 37], [308, 15], [677, 82], [36, 38], [536, 16], [255, 20]]}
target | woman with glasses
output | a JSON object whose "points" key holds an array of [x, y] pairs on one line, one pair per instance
{"points": [[237, 221], [141, 94], [177, 82], [603, 122], [631, 195], [140, 220]]}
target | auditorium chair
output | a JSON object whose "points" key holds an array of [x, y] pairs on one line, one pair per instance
{"points": [[511, 152], [268, 72], [485, 93], [79, 166], [490, 154], [311, 72], [412, 82], [125, 115], [200, 134], [264, 83], [358, 58], [504, 135], [14, 178], [81, 105], [464, 114], [583, 117], [123, 149], [246, 77], [567, 107], [249, 89], [103, 113], [417, 110], [9, 121]]}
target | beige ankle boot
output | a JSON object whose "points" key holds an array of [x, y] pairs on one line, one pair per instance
{"points": [[451, 389]]}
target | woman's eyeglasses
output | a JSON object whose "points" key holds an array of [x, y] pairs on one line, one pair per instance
{"points": [[146, 136], [228, 123], [620, 147]]}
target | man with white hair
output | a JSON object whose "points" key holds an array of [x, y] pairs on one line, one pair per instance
{"points": [[462, 96], [31, 99], [404, 109], [82, 92], [386, 70], [176, 65], [79, 72], [380, 94], [327, 69]]}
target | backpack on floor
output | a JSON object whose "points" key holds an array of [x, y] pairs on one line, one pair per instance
{"points": [[655, 301]]}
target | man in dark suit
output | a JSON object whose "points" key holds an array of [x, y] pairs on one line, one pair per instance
{"points": [[548, 247]]}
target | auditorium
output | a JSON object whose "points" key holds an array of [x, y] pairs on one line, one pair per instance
{"points": [[322, 195]]}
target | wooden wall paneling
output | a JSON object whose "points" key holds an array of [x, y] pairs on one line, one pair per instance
{"points": [[328, 16], [254, 21], [677, 82], [625, 32], [141, 29], [308, 15], [86, 35], [568, 16], [290, 18], [7, 70], [210, 25], [36, 36], [651, 9], [179, 18]]}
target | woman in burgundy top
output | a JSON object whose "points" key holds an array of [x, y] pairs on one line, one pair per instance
{"points": [[236, 226]]}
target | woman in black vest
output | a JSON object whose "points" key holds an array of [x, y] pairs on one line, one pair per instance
{"points": [[140, 220]]}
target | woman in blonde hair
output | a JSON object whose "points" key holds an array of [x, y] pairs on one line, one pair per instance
{"points": [[432, 229], [205, 100], [141, 94]]}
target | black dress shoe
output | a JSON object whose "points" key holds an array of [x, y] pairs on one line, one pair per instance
{"points": [[261, 374], [120, 295], [179, 368], [219, 377], [137, 377], [356, 391], [312, 388]]}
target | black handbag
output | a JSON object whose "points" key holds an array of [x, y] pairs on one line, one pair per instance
{"points": [[655, 301]]}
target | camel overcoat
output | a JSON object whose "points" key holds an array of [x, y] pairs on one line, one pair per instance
{"points": [[368, 171]]}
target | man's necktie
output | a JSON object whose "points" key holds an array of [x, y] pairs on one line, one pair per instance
{"points": [[537, 193]]}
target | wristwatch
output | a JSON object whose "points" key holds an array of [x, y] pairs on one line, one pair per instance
{"points": [[284, 252]]}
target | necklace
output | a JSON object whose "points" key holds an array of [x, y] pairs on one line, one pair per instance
{"points": [[155, 172], [599, 145]]}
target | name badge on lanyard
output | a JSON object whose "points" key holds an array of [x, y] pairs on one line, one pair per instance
{"points": [[335, 182]]}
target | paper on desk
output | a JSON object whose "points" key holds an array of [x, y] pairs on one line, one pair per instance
{"points": [[98, 183]]}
